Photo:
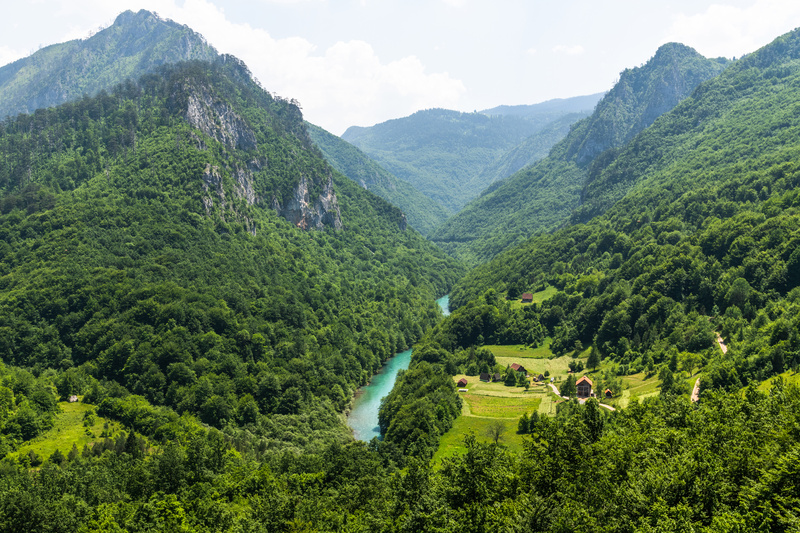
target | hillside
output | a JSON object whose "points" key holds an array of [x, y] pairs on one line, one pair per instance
{"points": [[709, 227], [442, 153], [134, 44], [423, 214], [541, 197], [181, 239]]}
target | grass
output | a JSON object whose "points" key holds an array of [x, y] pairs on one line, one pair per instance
{"points": [[67, 430], [452, 442], [521, 351], [538, 297], [499, 406], [789, 377]]}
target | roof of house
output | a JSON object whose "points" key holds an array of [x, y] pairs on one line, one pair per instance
{"points": [[484, 376], [462, 382], [584, 379], [527, 296], [516, 367]]}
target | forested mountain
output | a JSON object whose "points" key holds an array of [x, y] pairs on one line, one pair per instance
{"points": [[133, 45], [541, 197], [529, 151], [143, 251], [709, 227], [423, 213], [443, 153]]}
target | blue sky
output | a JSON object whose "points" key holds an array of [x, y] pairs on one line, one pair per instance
{"points": [[360, 62]]}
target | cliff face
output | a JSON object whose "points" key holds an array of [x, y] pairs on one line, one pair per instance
{"points": [[219, 120], [298, 209], [641, 96]]}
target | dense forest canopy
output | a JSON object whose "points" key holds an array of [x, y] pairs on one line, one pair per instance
{"points": [[177, 255], [541, 197]]}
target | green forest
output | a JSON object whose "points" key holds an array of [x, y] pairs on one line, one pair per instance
{"points": [[194, 283]]}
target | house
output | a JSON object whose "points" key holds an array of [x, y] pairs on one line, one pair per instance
{"points": [[497, 377], [527, 297], [584, 387], [462, 382], [72, 399], [608, 394], [485, 376], [518, 368], [540, 377]]}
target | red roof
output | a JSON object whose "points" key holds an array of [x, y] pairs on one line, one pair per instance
{"points": [[584, 379], [462, 382], [516, 366], [526, 296]]}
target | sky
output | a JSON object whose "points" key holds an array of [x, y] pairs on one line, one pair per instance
{"points": [[362, 62]]}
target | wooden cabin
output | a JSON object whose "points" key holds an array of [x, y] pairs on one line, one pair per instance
{"points": [[527, 297], [462, 382], [584, 387]]}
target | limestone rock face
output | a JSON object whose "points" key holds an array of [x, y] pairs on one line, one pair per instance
{"points": [[298, 209], [218, 120]]}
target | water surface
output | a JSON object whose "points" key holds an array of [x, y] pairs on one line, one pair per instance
{"points": [[364, 416]]}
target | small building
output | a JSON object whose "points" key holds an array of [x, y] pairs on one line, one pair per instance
{"points": [[72, 399], [540, 377], [497, 377], [608, 393], [485, 376], [462, 382], [527, 297], [584, 387], [518, 368]]}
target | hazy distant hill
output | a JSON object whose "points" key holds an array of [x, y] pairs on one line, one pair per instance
{"points": [[542, 196], [134, 44], [423, 214], [443, 153]]}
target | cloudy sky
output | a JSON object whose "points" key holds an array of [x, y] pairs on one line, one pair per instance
{"points": [[360, 62]]}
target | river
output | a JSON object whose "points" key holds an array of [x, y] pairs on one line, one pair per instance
{"points": [[363, 419]]}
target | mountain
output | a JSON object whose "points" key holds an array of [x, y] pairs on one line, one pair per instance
{"points": [[707, 229], [423, 214], [441, 153], [529, 151], [134, 44], [541, 197], [181, 242], [548, 110]]}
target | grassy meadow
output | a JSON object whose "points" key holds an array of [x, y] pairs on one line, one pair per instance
{"points": [[68, 430]]}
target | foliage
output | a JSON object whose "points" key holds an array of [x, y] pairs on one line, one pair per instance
{"points": [[121, 257], [423, 213], [541, 197]]}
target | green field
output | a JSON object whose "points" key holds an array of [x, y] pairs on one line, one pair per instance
{"points": [[789, 377], [452, 442], [538, 297], [67, 430]]}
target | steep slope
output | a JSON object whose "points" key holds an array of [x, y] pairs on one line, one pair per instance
{"points": [[710, 225], [541, 197], [142, 247], [134, 44], [423, 214], [442, 153], [529, 151]]}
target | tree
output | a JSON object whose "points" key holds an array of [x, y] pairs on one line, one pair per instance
{"points": [[594, 359], [524, 424], [568, 389], [511, 378], [495, 430]]}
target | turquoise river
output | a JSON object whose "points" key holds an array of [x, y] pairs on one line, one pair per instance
{"points": [[363, 419]]}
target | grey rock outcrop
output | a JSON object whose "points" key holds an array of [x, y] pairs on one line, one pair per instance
{"points": [[299, 210], [218, 120]]}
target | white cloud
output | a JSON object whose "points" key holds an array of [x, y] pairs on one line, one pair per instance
{"points": [[345, 85], [568, 50], [531, 51], [7, 55], [455, 3], [724, 30]]}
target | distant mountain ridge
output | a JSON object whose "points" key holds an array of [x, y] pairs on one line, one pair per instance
{"points": [[134, 44], [543, 196], [443, 153]]}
